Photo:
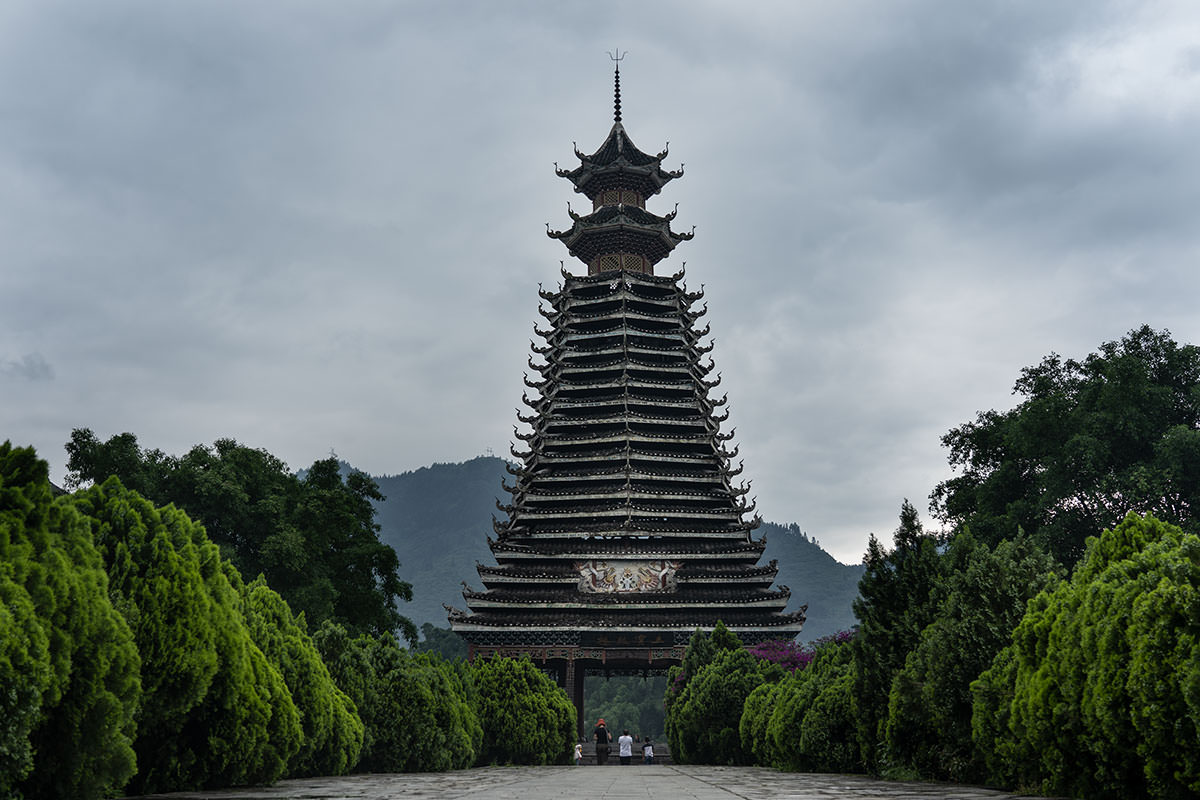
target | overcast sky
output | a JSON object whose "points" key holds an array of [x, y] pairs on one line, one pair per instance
{"points": [[321, 226]]}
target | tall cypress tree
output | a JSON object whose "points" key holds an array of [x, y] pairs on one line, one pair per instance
{"points": [[897, 599], [86, 666], [333, 733], [215, 711], [983, 597], [1098, 694]]}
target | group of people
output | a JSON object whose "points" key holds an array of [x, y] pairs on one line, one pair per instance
{"points": [[625, 744]]}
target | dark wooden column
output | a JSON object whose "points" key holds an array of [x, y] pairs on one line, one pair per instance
{"points": [[573, 683], [580, 674]]}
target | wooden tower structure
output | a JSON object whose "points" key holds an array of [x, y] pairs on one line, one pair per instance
{"points": [[626, 530]]}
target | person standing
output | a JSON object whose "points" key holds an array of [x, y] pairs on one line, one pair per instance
{"points": [[578, 754], [601, 737], [625, 748], [648, 751]]}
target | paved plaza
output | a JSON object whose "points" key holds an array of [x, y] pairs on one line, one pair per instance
{"points": [[658, 782]]}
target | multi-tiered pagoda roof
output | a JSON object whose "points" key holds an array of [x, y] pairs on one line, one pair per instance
{"points": [[627, 524]]}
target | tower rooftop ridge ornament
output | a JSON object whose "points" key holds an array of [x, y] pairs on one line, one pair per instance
{"points": [[617, 56]]}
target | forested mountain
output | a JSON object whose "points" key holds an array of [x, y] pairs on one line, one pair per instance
{"points": [[815, 577], [438, 519]]}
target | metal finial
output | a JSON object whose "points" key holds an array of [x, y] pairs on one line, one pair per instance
{"points": [[616, 57]]}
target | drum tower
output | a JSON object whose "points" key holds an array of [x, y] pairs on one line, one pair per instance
{"points": [[626, 530]]}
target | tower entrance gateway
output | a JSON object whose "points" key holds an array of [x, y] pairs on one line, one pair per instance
{"points": [[626, 530]]}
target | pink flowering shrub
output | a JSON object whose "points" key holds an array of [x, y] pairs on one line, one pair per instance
{"points": [[792, 656]]}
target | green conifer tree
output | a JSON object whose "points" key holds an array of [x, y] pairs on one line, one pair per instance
{"points": [[215, 712], [897, 599], [982, 598], [526, 718], [813, 719], [333, 733], [1098, 695], [84, 663]]}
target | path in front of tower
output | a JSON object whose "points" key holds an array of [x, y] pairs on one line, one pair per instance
{"points": [[635, 782]]}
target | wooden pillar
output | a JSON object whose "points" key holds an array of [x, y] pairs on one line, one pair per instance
{"points": [[573, 683], [580, 674]]}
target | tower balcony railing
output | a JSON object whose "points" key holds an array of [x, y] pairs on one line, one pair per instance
{"points": [[607, 456], [636, 473], [609, 541], [621, 297], [610, 382], [625, 407], [629, 601], [559, 406], [626, 344], [562, 571], [670, 427], [630, 530], [637, 513], [749, 627], [616, 331], [548, 503], [571, 301]]}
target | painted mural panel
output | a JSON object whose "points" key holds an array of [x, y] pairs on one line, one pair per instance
{"points": [[599, 577]]}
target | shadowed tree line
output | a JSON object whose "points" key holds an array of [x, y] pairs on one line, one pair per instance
{"points": [[1047, 641], [313, 538], [977, 665], [1089, 442], [631, 702], [134, 658]]}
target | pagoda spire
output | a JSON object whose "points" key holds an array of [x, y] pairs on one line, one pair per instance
{"points": [[616, 56]]}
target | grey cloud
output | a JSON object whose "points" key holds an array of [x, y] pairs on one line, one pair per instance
{"points": [[30, 367], [305, 225]]}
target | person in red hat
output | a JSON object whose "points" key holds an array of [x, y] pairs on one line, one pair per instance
{"points": [[601, 737]]}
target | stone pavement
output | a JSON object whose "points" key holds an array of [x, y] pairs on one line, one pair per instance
{"points": [[636, 782]]}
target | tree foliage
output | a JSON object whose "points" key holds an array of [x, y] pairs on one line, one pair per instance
{"points": [[789, 655], [812, 716], [332, 732], [706, 694], [526, 717], [313, 538], [418, 711], [68, 664], [1098, 694], [443, 641], [981, 600], [626, 701], [214, 711], [350, 664], [1090, 441], [701, 650], [756, 714], [423, 720], [897, 599], [24, 667], [704, 724]]}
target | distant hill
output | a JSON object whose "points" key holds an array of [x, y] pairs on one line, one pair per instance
{"points": [[438, 519], [827, 585]]}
